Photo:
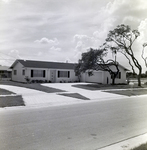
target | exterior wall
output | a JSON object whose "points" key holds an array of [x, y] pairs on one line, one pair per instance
{"points": [[108, 80], [105, 77], [97, 77], [18, 77]]}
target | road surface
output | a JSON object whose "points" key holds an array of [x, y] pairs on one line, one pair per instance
{"points": [[87, 126]]}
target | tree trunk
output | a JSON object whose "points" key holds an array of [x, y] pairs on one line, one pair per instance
{"points": [[113, 81], [139, 77]]}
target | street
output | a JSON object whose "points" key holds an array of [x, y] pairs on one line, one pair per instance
{"points": [[88, 126]]}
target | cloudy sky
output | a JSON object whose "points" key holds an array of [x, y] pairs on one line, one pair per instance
{"points": [[60, 30]]}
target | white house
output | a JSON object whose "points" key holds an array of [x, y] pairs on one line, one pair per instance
{"points": [[59, 72], [41, 70]]}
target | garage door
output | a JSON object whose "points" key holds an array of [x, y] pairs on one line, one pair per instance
{"points": [[95, 78]]}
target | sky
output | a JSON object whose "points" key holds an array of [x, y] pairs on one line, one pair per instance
{"points": [[61, 30]]}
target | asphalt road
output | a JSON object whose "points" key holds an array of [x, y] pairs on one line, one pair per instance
{"points": [[77, 127]]}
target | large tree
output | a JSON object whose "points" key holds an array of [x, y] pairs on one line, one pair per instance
{"points": [[94, 60], [121, 39]]}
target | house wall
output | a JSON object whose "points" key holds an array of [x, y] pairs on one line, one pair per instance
{"points": [[107, 77], [104, 76], [18, 77]]}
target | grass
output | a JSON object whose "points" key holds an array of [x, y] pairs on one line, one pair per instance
{"points": [[75, 95], [35, 86], [96, 86], [141, 147], [5, 92], [129, 92], [8, 100]]}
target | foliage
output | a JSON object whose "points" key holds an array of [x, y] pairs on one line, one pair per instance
{"points": [[27, 79], [121, 39], [94, 60]]}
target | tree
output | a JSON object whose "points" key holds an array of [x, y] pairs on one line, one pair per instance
{"points": [[143, 54], [121, 39], [94, 60]]}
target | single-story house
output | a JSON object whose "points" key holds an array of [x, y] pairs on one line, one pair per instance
{"points": [[5, 73], [59, 72], [41, 70]]}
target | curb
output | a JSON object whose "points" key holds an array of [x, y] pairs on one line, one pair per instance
{"points": [[127, 144]]}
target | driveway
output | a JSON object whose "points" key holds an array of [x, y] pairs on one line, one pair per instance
{"points": [[73, 95]]}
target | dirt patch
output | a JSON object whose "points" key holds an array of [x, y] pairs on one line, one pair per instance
{"points": [[75, 95], [10, 101]]}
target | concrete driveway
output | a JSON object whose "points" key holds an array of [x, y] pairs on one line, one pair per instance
{"points": [[38, 98]]}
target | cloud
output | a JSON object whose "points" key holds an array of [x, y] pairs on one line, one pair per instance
{"points": [[55, 49], [6, 1], [45, 40], [143, 31]]}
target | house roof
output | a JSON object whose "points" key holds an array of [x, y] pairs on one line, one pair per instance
{"points": [[44, 64], [5, 68]]}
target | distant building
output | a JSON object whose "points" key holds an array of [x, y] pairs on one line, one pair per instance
{"points": [[23, 70], [5, 73]]}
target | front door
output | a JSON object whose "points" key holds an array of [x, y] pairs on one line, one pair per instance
{"points": [[53, 76]]}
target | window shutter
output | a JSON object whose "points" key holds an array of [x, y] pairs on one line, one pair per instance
{"points": [[31, 73], [68, 74], [43, 73], [58, 74]]}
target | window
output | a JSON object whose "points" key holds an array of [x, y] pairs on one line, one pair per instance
{"points": [[15, 72], [23, 72], [63, 74], [38, 73]]}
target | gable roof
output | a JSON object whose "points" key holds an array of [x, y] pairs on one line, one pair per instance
{"points": [[44, 64]]}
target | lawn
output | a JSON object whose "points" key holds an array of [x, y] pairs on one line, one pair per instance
{"points": [[35, 86], [141, 147], [9, 99], [96, 86]]}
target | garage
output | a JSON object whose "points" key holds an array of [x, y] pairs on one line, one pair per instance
{"points": [[97, 77]]}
